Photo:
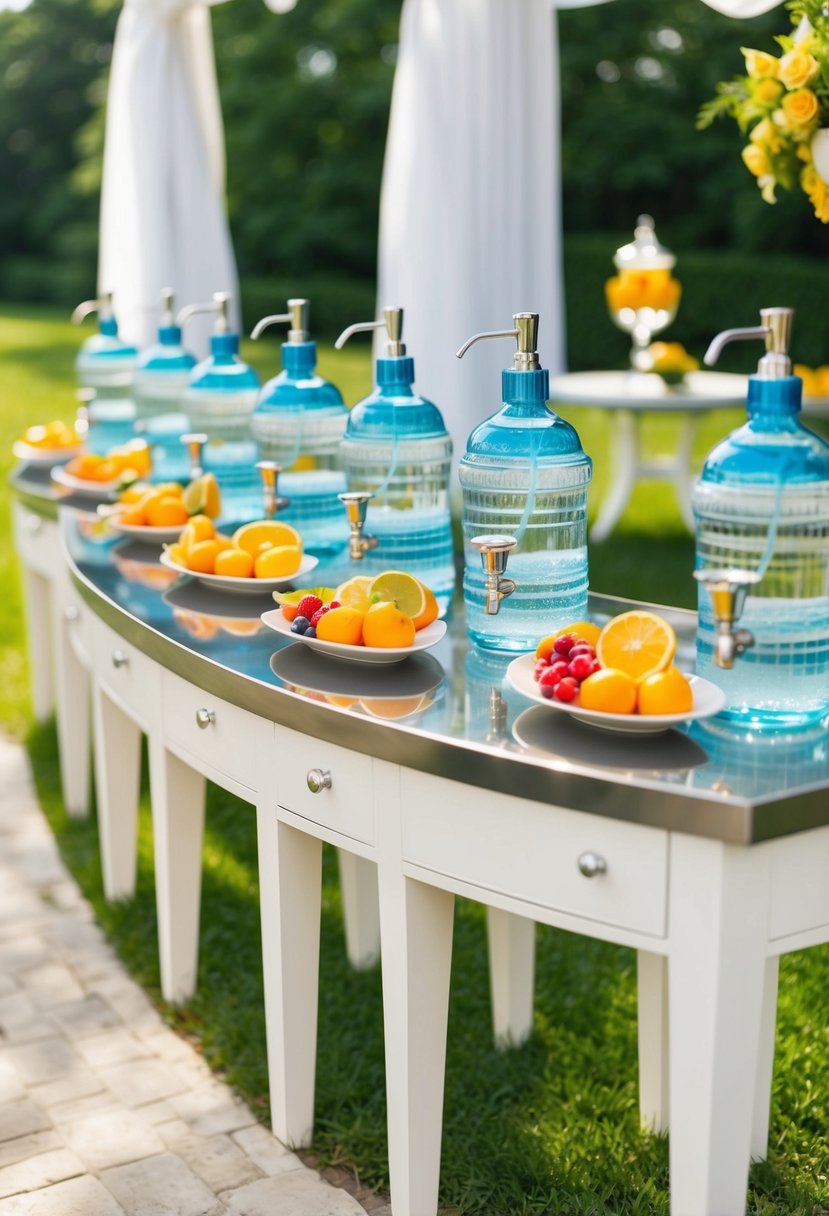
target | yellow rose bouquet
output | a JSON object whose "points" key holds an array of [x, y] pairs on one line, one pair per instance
{"points": [[781, 105]]}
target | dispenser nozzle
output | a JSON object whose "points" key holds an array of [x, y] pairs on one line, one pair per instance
{"points": [[296, 318], [392, 323], [776, 330], [728, 590], [220, 304], [495, 551], [526, 335], [102, 305], [194, 441], [359, 541]]}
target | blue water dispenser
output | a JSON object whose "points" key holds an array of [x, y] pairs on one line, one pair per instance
{"points": [[397, 456], [524, 478], [218, 402], [298, 423], [105, 367], [761, 509]]}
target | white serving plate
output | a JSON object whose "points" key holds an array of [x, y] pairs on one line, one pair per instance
{"points": [[708, 700], [424, 640], [143, 531], [34, 455], [243, 586], [79, 485]]}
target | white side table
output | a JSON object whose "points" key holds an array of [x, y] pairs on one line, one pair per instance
{"points": [[630, 396]]}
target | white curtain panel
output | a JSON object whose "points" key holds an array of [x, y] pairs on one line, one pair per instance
{"points": [[163, 220], [470, 213]]}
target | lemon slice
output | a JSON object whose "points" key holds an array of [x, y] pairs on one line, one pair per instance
{"points": [[638, 643], [354, 593], [404, 590]]}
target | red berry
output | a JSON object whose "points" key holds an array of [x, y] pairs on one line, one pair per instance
{"points": [[321, 612], [335, 604], [540, 667], [560, 667], [547, 682], [564, 644], [308, 605], [566, 689], [581, 667], [582, 648]]}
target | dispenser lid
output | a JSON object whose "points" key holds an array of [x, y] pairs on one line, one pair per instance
{"points": [[644, 252]]}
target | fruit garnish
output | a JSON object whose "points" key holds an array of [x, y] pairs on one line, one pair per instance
{"points": [[234, 563], [665, 692], [402, 590], [289, 600], [609, 691], [638, 643], [354, 593], [202, 496], [270, 533], [341, 624], [197, 529], [201, 557], [581, 631], [387, 625], [277, 561], [308, 605]]}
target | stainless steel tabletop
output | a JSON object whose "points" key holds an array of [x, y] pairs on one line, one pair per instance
{"points": [[451, 711]]}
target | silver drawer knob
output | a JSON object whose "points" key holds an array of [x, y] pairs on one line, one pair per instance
{"points": [[34, 523], [591, 864], [119, 659], [70, 613], [205, 718], [318, 779]]}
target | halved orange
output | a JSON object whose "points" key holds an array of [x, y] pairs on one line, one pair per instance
{"points": [[400, 588], [265, 533], [638, 643]]}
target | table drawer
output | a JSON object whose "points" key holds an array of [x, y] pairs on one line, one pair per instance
{"points": [[538, 853], [37, 542], [346, 805], [128, 676], [227, 740]]}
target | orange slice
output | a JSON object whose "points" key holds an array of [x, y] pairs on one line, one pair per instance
{"points": [[354, 593], [638, 643]]}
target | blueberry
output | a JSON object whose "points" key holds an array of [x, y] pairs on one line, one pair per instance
{"points": [[310, 632], [300, 624]]}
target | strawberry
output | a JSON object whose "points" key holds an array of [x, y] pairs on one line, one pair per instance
{"points": [[308, 605], [321, 611]]}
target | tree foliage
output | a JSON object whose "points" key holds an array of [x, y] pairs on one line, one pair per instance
{"points": [[305, 97]]}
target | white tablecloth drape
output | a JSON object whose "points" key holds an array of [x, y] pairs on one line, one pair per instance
{"points": [[162, 197]]}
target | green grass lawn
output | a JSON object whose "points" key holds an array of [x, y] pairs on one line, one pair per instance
{"points": [[551, 1128]]}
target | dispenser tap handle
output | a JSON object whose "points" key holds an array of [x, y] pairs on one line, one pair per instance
{"points": [[728, 589], [526, 334], [359, 541], [716, 345], [168, 306], [775, 330], [269, 471], [392, 323], [296, 318], [194, 441], [495, 551]]}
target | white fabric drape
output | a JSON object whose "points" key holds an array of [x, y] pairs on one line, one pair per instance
{"points": [[470, 211], [162, 195]]}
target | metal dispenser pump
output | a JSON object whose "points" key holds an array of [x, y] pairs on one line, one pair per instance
{"points": [[356, 501], [103, 307], [296, 318], [220, 304], [269, 471], [728, 587], [194, 441], [495, 550]]}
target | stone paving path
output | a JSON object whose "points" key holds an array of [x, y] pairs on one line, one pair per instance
{"points": [[104, 1110]]}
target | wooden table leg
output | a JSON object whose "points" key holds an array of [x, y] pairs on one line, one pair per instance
{"points": [[37, 598], [652, 1001], [511, 945], [416, 928], [718, 919], [71, 685], [361, 915], [290, 892], [117, 756]]}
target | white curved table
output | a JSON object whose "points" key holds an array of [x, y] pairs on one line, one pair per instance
{"points": [[630, 396]]}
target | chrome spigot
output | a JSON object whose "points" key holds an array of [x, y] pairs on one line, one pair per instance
{"points": [[194, 441], [269, 471], [728, 589], [495, 551], [359, 541]]}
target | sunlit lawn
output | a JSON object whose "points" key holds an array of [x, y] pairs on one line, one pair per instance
{"points": [[549, 1129]]}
